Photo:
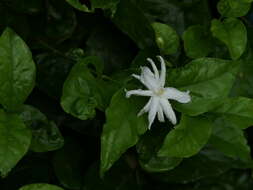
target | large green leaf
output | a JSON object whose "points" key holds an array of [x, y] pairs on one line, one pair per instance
{"points": [[238, 111], [197, 41], [187, 138], [17, 70], [147, 148], [80, 95], [166, 38], [15, 139], [130, 19], [122, 128], [40, 186], [207, 163], [233, 8], [209, 80], [45, 134], [230, 139], [233, 33]]}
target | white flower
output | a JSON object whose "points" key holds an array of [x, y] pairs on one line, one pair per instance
{"points": [[159, 95]]}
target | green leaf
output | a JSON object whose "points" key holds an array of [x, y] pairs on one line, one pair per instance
{"points": [[40, 186], [80, 96], [45, 135], [238, 111], [177, 14], [122, 128], [187, 138], [105, 4], [17, 70], [197, 42], [79, 6], [166, 38], [15, 139], [230, 139], [134, 24], [207, 163], [233, 33], [233, 8], [209, 80], [147, 149], [68, 164]]}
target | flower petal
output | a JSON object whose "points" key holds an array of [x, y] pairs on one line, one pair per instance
{"points": [[163, 71], [139, 92], [148, 79], [168, 111], [175, 94], [160, 114], [145, 108], [152, 110], [154, 68]]}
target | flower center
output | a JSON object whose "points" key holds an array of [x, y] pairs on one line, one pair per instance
{"points": [[159, 92]]}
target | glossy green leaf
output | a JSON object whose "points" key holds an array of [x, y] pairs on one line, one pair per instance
{"points": [[209, 80], [187, 138], [40, 186], [122, 128], [230, 139], [233, 33], [15, 139], [239, 111], [17, 70], [78, 5], [233, 8], [80, 96], [166, 38], [197, 41], [134, 24], [147, 148], [45, 134], [68, 164]]}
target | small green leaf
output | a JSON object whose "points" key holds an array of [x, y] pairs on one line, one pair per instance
{"points": [[105, 4], [239, 111], [197, 41], [79, 6], [230, 140], [188, 137], [17, 70], [45, 135], [80, 96], [233, 8], [147, 149], [233, 33], [40, 186], [166, 38], [209, 81], [15, 140], [122, 128]]}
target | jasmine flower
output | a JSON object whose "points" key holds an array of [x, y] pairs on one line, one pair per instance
{"points": [[158, 103]]}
